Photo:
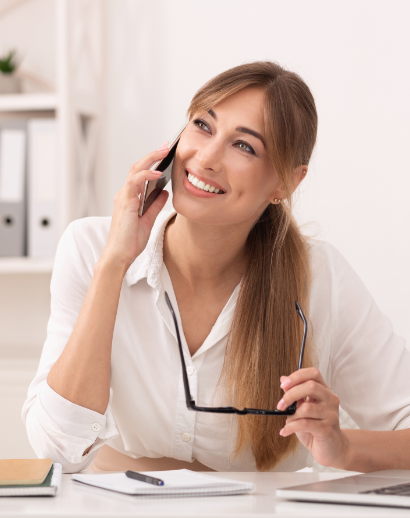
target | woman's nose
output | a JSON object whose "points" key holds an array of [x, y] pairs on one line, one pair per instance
{"points": [[210, 156]]}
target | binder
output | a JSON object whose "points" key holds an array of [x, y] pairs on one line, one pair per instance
{"points": [[43, 187], [12, 188]]}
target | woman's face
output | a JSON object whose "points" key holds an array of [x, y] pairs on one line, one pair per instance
{"points": [[225, 149]]}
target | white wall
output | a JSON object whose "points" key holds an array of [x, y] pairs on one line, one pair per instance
{"points": [[353, 55]]}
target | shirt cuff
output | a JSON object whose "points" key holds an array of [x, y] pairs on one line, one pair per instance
{"points": [[72, 427], [404, 424]]}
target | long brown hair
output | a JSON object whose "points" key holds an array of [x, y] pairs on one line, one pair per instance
{"points": [[265, 337]]}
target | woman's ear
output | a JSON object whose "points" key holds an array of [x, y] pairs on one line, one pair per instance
{"points": [[299, 174], [277, 196]]}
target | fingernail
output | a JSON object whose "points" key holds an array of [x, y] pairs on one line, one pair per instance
{"points": [[164, 146], [286, 384], [281, 432], [281, 405]]}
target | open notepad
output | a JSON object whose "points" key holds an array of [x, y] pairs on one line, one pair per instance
{"points": [[180, 482]]}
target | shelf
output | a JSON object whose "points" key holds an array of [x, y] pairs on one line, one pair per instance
{"points": [[25, 265], [28, 102]]}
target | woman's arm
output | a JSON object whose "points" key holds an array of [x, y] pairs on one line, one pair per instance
{"points": [[82, 372], [364, 362], [316, 424], [368, 451]]}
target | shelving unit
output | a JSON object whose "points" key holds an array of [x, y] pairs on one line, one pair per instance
{"points": [[28, 102], [74, 44], [25, 265], [76, 105]]}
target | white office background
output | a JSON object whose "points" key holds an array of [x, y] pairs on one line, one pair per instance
{"points": [[354, 56]]}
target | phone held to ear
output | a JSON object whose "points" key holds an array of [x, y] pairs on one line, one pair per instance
{"points": [[154, 187]]}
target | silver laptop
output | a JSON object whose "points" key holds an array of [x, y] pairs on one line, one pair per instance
{"points": [[382, 488]]}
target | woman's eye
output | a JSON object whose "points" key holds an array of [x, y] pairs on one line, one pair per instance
{"points": [[201, 124], [245, 147]]}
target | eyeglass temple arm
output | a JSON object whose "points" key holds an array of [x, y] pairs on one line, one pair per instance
{"points": [[305, 326], [292, 407], [189, 401]]}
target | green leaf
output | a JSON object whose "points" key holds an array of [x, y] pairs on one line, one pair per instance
{"points": [[9, 62]]}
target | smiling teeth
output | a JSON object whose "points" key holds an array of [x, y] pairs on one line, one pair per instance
{"points": [[199, 184]]}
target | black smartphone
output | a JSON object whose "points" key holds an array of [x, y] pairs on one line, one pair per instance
{"points": [[154, 187]]}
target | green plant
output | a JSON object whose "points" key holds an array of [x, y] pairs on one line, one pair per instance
{"points": [[8, 62]]}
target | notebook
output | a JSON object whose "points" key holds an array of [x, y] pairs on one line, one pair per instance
{"points": [[50, 486], [181, 482], [24, 471]]}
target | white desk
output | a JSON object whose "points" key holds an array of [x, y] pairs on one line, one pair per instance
{"points": [[78, 501]]}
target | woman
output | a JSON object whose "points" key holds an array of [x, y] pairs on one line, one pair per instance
{"points": [[233, 262]]}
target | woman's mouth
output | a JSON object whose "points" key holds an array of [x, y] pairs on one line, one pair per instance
{"points": [[202, 186]]}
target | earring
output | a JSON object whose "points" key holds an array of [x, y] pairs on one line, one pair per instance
{"points": [[277, 200]]}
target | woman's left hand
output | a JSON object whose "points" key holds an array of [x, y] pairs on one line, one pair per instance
{"points": [[316, 420]]}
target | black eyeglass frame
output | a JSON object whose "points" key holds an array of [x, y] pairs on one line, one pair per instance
{"points": [[190, 403]]}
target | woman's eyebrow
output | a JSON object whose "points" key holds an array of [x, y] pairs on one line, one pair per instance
{"points": [[241, 129], [253, 133]]}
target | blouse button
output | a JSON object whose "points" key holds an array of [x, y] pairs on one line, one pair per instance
{"points": [[96, 427], [190, 370], [186, 437]]}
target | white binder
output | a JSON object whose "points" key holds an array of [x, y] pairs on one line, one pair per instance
{"points": [[12, 188], [43, 188]]}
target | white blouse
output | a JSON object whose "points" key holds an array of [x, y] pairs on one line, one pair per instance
{"points": [[358, 354]]}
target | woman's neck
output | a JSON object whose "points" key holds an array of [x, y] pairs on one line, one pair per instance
{"points": [[204, 255]]}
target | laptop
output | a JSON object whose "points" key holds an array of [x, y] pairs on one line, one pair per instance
{"points": [[381, 488]]}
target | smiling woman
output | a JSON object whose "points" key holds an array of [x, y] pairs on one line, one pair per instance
{"points": [[235, 141], [233, 262]]}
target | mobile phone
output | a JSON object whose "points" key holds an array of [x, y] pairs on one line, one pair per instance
{"points": [[154, 187]]}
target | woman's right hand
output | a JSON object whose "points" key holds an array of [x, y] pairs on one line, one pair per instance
{"points": [[129, 233]]}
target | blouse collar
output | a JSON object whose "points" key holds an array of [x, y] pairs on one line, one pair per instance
{"points": [[149, 263]]}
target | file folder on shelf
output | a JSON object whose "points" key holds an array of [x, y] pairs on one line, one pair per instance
{"points": [[43, 188], [12, 188]]}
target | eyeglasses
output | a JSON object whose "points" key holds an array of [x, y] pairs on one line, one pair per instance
{"points": [[190, 403]]}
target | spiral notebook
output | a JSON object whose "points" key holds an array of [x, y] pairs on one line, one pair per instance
{"points": [[181, 482], [49, 487]]}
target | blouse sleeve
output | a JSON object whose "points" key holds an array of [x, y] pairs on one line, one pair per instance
{"points": [[369, 363], [56, 427]]}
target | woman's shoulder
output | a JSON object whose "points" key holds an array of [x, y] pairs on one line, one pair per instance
{"points": [[331, 273], [326, 261], [322, 254], [91, 231], [83, 241]]}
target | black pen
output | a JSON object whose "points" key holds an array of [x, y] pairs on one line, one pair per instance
{"points": [[144, 478]]}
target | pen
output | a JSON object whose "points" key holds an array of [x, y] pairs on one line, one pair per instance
{"points": [[144, 478]]}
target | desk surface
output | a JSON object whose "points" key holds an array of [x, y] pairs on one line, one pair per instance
{"points": [[78, 501]]}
